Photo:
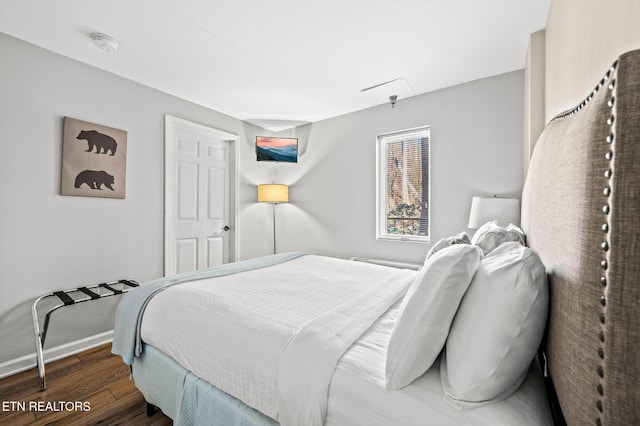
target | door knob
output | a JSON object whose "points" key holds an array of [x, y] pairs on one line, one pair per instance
{"points": [[226, 228]]}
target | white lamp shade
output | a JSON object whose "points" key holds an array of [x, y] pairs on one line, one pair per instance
{"points": [[502, 210], [273, 193]]}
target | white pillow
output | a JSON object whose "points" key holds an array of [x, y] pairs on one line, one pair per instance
{"points": [[461, 238], [490, 235], [426, 313], [497, 329]]}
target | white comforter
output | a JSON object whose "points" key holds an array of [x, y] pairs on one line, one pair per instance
{"points": [[272, 337]]}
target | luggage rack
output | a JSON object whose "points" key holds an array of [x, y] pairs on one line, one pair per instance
{"points": [[68, 298]]}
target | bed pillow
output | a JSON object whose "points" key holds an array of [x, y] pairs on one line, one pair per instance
{"points": [[461, 238], [490, 235], [426, 312], [497, 329]]}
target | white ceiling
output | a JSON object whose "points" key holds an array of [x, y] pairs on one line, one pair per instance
{"points": [[301, 60]]}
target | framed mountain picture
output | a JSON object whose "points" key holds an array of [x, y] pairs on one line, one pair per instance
{"points": [[281, 150], [94, 159]]}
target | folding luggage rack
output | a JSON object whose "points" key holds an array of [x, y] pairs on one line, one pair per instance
{"points": [[68, 298]]}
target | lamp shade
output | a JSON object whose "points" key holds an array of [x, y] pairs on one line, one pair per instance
{"points": [[502, 210], [273, 193]]}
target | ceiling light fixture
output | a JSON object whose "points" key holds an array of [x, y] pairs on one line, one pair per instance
{"points": [[393, 99], [105, 42]]}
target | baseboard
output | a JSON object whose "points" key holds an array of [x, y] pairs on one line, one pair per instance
{"points": [[26, 362]]}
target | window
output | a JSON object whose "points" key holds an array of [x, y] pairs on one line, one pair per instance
{"points": [[403, 185]]}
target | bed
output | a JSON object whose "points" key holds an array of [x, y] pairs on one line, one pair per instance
{"points": [[239, 344]]}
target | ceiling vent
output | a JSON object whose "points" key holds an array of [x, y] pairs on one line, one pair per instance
{"points": [[383, 92]]}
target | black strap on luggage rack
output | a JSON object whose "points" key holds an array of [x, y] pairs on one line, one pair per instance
{"points": [[68, 298]]}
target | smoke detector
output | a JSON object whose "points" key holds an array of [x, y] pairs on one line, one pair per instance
{"points": [[105, 42]]}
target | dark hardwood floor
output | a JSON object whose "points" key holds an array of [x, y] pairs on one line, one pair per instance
{"points": [[94, 379]]}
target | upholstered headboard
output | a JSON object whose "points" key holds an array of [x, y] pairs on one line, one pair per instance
{"points": [[581, 212]]}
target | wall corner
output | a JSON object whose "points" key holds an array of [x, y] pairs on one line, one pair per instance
{"points": [[534, 95]]}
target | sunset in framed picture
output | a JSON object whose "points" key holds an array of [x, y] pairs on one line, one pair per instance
{"points": [[283, 150]]}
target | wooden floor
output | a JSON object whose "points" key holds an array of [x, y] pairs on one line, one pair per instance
{"points": [[94, 379]]}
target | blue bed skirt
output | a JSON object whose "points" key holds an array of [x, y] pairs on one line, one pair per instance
{"points": [[187, 399]]}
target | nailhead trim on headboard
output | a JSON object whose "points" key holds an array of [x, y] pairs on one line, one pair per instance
{"points": [[604, 246], [606, 210], [582, 104]]}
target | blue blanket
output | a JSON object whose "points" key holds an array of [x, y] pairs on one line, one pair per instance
{"points": [[126, 338]]}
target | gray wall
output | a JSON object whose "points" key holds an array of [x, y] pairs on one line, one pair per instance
{"points": [[583, 38], [565, 61], [48, 241], [476, 134]]}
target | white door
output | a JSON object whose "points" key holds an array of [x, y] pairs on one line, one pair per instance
{"points": [[198, 228]]}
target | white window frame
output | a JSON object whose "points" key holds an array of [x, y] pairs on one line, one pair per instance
{"points": [[381, 183]]}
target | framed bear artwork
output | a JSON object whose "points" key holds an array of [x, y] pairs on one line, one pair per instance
{"points": [[94, 159]]}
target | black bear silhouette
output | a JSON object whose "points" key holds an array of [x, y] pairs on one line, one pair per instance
{"points": [[101, 141], [95, 179]]}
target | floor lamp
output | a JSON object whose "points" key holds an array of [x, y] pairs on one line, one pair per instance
{"points": [[273, 193]]}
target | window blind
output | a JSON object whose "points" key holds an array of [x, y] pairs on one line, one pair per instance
{"points": [[406, 184]]}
